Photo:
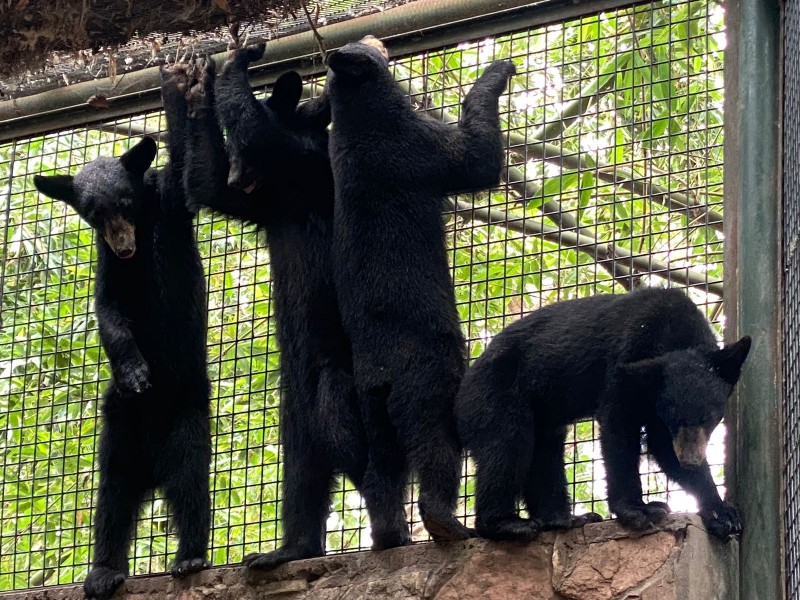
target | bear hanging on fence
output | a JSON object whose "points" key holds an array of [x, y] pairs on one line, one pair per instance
{"points": [[151, 312], [644, 359], [392, 169], [280, 179]]}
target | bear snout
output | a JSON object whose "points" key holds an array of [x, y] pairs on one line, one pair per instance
{"points": [[120, 235], [242, 178], [690, 445]]}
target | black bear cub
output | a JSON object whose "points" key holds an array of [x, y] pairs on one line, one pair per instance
{"points": [[644, 359], [392, 169], [151, 312], [280, 178]]}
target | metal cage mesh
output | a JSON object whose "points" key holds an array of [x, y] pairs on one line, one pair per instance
{"points": [[614, 180]]}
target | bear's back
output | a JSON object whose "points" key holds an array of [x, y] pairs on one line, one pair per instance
{"points": [[561, 355]]}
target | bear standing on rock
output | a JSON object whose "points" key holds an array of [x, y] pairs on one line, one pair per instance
{"points": [[643, 359], [280, 178], [151, 312], [392, 169]]}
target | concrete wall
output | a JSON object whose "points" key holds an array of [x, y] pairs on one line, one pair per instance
{"points": [[678, 561]]}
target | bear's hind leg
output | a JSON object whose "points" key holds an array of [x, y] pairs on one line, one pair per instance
{"points": [[122, 487], [384, 483], [306, 504], [437, 461], [308, 476], [500, 470], [183, 473], [421, 409]]}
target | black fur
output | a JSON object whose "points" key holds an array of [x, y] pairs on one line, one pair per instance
{"points": [[645, 359], [279, 151], [392, 169], [151, 312]]}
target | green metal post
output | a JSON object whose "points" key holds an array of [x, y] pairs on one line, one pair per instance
{"points": [[753, 286]]}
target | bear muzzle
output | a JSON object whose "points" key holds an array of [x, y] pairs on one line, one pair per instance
{"points": [[120, 235], [243, 178], [690, 445]]}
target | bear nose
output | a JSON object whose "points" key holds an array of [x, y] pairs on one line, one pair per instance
{"points": [[243, 179], [690, 445]]}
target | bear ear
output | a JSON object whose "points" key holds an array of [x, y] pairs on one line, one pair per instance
{"points": [[137, 160], [642, 373], [728, 361], [59, 187], [286, 94]]}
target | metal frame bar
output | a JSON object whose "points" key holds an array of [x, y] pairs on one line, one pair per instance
{"points": [[753, 286], [407, 29]]}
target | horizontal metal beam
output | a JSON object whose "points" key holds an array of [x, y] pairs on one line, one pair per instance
{"points": [[412, 28]]}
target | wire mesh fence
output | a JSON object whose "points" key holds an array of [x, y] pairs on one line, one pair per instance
{"points": [[614, 181]]}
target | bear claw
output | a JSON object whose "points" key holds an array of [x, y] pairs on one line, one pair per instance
{"points": [[264, 561], [134, 378], [186, 567], [102, 582], [510, 529], [570, 521], [723, 521], [642, 516], [446, 529]]}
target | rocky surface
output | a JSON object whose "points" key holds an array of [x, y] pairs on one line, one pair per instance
{"points": [[677, 561]]}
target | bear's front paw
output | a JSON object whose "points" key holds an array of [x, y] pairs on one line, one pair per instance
{"points": [[133, 378], [174, 80], [200, 94], [102, 582], [642, 516], [722, 521], [496, 75], [182, 568], [240, 58]]}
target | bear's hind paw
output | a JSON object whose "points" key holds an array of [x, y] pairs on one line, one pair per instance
{"points": [[264, 561], [642, 516], [182, 568], [446, 528], [102, 582], [508, 529]]}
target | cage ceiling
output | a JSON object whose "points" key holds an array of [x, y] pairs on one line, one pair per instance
{"points": [[65, 94], [45, 44]]}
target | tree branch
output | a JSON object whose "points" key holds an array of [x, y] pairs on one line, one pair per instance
{"points": [[599, 250], [616, 175]]}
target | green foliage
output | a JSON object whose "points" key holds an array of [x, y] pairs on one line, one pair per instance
{"points": [[623, 99]]}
